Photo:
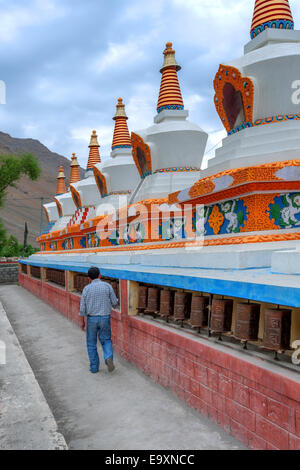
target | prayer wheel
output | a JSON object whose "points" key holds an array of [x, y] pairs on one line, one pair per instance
{"points": [[56, 276], [199, 311], [80, 282], [153, 300], [115, 286], [221, 316], [118, 289], [277, 331], [166, 303], [24, 268], [35, 272], [247, 322], [84, 282], [180, 305], [143, 296]]}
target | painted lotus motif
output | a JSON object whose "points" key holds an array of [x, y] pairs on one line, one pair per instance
{"points": [[227, 217]]}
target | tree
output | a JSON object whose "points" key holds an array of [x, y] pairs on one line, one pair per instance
{"points": [[2, 236], [12, 168], [11, 248]]}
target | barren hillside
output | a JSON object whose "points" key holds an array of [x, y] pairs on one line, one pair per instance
{"points": [[23, 204]]}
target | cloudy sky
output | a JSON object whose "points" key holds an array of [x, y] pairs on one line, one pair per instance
{"points": [[65, 63]]}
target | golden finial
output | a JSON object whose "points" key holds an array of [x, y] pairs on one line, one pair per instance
{"points": [[120, 110], [74, 160], [94, 140], [61, 173], [170, 60], [75, 175]]}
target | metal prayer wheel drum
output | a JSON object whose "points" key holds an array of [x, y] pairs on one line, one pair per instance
{"points": [[80, 282], [180, 305], [199, 311], [153, 300], [118, 289], [221, 316], [143, 297], [247, 321], [277, 331], [166, 303], [115, 286]]}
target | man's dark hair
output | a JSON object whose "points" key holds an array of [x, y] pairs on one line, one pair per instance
{"points": [[94, 273]]}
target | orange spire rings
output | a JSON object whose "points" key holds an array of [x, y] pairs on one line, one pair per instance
{"points": [[121, 138], [170, 94], [94, 156], [271, 14], [75, 175], [61, 185]]}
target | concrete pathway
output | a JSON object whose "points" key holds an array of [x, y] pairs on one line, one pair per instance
{"points": [[26, 421], [124, 410]]}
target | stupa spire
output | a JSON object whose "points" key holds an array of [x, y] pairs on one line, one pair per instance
{"points": [[61, 185], [170, 94], [271, 14], [94, 156], [75, 175], [121, 137]]}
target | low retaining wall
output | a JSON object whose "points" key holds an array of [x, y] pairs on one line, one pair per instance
{"points": [[257, 403], [9, 270]]}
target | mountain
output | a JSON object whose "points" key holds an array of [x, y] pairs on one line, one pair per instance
{"points": [[23, 203]]}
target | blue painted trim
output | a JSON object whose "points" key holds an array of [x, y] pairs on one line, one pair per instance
{"points": [[282, 295], [170, 107]]}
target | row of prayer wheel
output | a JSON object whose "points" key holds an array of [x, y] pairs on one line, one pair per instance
{"points": [[81, 280], [24, 268], [114, 284], [35, 272], [195, 308], [56, 276]]}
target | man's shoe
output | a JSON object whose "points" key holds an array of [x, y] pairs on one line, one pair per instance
{"points": [[110, 365]]}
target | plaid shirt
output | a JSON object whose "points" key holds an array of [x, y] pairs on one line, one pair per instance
{"points": [[97, 299]]}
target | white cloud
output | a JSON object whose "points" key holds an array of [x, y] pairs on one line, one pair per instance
{"points": [[141, 107], [13, 20], [141, 10], [191, 102], [119, 54], [217, 28], [29, 130], [50, 91]]}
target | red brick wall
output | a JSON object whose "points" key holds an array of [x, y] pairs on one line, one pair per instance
{"points": [[65, 302], [258, 406]]}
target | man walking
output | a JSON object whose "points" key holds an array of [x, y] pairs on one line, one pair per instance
{"points": [[97, 300]]}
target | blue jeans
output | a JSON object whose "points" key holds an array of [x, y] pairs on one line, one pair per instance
{"points": [[98, 326]]}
